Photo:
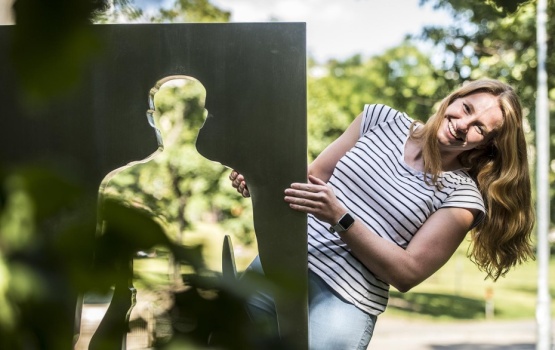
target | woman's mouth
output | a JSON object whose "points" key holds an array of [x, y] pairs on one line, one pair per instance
{"points": [[454, 132]]}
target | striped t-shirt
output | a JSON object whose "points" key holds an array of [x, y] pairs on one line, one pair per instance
{"points": [[375, 184]]}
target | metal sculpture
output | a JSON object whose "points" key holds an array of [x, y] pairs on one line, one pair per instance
{"points": [[255, 78]]}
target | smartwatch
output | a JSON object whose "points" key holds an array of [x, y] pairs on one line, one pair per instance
{"points": [[344, 223]]}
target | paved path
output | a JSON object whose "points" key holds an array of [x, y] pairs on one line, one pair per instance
{"points": [[399, 334], [392, 333]]}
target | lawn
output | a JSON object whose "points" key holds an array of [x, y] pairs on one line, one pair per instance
{"points": [[456, 292]]}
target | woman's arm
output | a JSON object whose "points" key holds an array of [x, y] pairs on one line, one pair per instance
{"points": [[431, 247], [322, 167]]}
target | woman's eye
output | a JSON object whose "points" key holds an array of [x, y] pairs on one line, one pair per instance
{"points": [[466, 108], [479, 129]]}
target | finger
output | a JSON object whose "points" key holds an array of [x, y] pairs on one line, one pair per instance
{"points": [[302, 208], [306, 187], [302, 201], [246, 193], [238, 181], [313, 179], [319, 196], [233, 175], [235, 183]]}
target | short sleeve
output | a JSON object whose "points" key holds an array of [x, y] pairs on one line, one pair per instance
{"points": [[467, 196], [375, 114]]}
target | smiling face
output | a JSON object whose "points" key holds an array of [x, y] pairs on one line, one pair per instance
{"points": [[469, 122]]}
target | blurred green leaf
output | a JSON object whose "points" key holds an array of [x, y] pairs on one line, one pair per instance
{"points": [[52, 44]]}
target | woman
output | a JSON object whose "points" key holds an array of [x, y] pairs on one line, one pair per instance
{"points": [[391, 199]]}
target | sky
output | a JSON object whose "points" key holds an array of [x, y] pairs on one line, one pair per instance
{"points": [[335, 28], [341, 28]]}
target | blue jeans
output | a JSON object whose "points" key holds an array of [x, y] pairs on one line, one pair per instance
{"points": [[333, 322]]}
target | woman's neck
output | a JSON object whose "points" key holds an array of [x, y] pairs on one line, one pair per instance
{"points": [[450, 161], [415, 159], [413, 154]]}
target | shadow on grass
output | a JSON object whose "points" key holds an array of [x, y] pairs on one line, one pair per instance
{"points": [[483, 347], [438, 305]]}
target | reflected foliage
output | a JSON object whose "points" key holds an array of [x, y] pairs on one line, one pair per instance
{"points": [[202, 311], [47, 245]]}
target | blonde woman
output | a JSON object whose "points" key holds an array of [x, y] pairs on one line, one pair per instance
{"points": [[391, 199]]}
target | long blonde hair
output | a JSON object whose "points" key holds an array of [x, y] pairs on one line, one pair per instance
{"points": [[500, 169]]}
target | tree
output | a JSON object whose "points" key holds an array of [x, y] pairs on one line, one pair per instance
{"points": [[403, 77], [119, 10], [192, 11], [485, 41]]}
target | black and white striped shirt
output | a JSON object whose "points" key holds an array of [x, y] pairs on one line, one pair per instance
{"points": [[375, 184]]}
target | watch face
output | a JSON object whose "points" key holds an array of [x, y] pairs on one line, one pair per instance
{"points": [[346, 221]]}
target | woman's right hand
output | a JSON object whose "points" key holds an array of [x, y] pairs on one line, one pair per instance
{"points": [[238, 182]]}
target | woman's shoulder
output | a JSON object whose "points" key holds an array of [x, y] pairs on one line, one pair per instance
{"points": [[376, 114], [462, 185], [459, 178], [464, 193], [381, 111]]}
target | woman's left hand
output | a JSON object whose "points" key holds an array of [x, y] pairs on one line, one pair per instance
{"points": [[316, 198]]}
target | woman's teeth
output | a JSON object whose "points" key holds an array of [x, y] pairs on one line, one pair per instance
{"points": [[453, 131]]}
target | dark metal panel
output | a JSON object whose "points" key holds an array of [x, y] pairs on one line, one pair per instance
{"points": [[247, 70], [255, 79]]}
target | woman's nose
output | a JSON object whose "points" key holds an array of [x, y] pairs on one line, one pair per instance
{"points": [[462, 126]]}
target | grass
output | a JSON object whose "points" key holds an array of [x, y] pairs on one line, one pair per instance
{"points": [[156, 271], [456, 292]]}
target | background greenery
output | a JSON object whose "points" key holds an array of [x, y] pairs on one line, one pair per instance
{"points": [[46, 243]]}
